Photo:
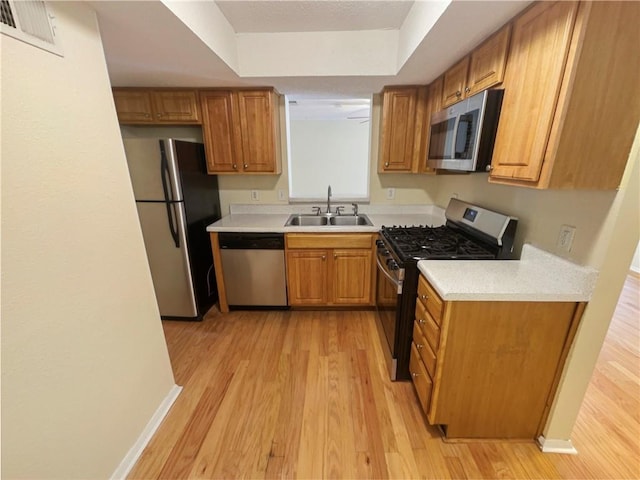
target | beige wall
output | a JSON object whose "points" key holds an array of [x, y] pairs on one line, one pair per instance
{"points": [[84, 361]]}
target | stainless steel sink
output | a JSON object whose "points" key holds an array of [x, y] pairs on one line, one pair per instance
{"points": [[306, 221], [350, 220], [300, 220]]}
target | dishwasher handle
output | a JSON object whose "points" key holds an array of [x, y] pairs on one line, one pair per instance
{"points": [[251, 241]]}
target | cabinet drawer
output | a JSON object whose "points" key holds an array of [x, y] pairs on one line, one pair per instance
{"points": [[420, 378], [430, 298], [328, 240], [426, 354], [428, 326]]}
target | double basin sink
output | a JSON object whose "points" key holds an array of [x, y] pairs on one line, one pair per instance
{"points": [[298, 220]]}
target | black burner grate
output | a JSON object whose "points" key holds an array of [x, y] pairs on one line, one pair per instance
{"points": [[437, 243]]}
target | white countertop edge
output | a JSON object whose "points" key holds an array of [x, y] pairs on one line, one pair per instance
{"points": [[546, 278], [275, 222]]}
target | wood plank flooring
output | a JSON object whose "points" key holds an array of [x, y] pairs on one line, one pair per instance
{"points": [[305, 394]]}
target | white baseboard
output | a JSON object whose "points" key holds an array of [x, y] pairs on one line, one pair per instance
{"points": [[555, 445], [135, 451]]}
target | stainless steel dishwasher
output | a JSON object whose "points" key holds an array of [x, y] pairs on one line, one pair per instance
{"points": [[253, 267]]}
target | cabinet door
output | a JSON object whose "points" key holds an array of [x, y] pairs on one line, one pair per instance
{"points": [[133, 106], [398, 129], [455, 81], [171, 106], [217, 130], [486, 67], [434, 105], [537, 58], [307, 277], [351, 277], [256, 115]]}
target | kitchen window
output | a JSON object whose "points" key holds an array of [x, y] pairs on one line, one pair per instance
{"points": [[328, 144]]}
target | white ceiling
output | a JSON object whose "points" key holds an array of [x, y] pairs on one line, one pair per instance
{"points": [[305, 48], [319, 16]]}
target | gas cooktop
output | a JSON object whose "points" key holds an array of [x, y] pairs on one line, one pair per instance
{"points": [[437, 243]]}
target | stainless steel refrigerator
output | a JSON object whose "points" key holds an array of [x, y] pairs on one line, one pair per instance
{"points": [[176, 200]]}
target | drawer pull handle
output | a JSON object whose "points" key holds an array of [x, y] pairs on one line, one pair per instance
{"points": [[414, 375], [423, 297], [421, 321], [419, 346]]}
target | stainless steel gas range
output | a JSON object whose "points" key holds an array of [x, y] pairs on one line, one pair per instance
{"points": [[470, 233]]}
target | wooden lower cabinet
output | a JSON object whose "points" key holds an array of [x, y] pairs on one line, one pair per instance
{"points": [[333, 270], [496, 365], [307, 277]]}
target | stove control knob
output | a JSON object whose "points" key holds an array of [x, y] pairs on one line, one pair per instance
{"points": [[379, 243], [392, 264]]}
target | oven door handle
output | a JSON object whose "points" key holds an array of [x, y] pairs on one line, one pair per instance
{"points": [[396, 282]]}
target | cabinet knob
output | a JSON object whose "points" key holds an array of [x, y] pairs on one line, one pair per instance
{"points": [[386, 164], [419, 346], [467, 90], [458, 93], [147, 115], [158, 115], [421, 321], [246, 165], [324, 257], [235, 167], [335, 255]]}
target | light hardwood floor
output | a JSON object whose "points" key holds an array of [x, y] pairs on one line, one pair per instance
{"points": [[305, 394]]}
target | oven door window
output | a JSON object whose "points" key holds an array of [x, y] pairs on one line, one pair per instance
{"points": [[465, 144], [441, 140], [387, 306]]}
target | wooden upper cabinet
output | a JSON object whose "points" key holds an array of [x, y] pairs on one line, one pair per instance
{"points": [[218, 130], [565, 120], [241, 130], [156, 106], [398, 129], [434, 104], [487, 62], [175, 106], [257, 111], [455, 80], [133, 106], [481, 69]]}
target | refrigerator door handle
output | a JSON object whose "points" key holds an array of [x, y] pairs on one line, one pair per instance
{"points": [[171, 214]]}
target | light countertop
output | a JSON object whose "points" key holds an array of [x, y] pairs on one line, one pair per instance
{"points": [[264, 218], [538, 276]]}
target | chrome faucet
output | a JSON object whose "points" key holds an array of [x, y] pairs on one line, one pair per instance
{"points": [[355, 209], [329, 200]]}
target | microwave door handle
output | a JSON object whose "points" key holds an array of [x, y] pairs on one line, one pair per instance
{"points": [[454, 137]]}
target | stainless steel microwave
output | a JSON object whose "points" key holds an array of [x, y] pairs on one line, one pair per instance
{"points": [[462, 136]]}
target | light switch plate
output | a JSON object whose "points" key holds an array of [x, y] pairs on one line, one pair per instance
{"points": [[282, 195], [255, 195], [391, 193]]}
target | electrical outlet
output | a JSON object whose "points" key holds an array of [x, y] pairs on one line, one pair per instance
{"points": [[255, 195], [282, 195], [391, 193], [565, 239]]}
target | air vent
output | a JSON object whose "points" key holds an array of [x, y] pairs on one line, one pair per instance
{"points": [[30, 22]]}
